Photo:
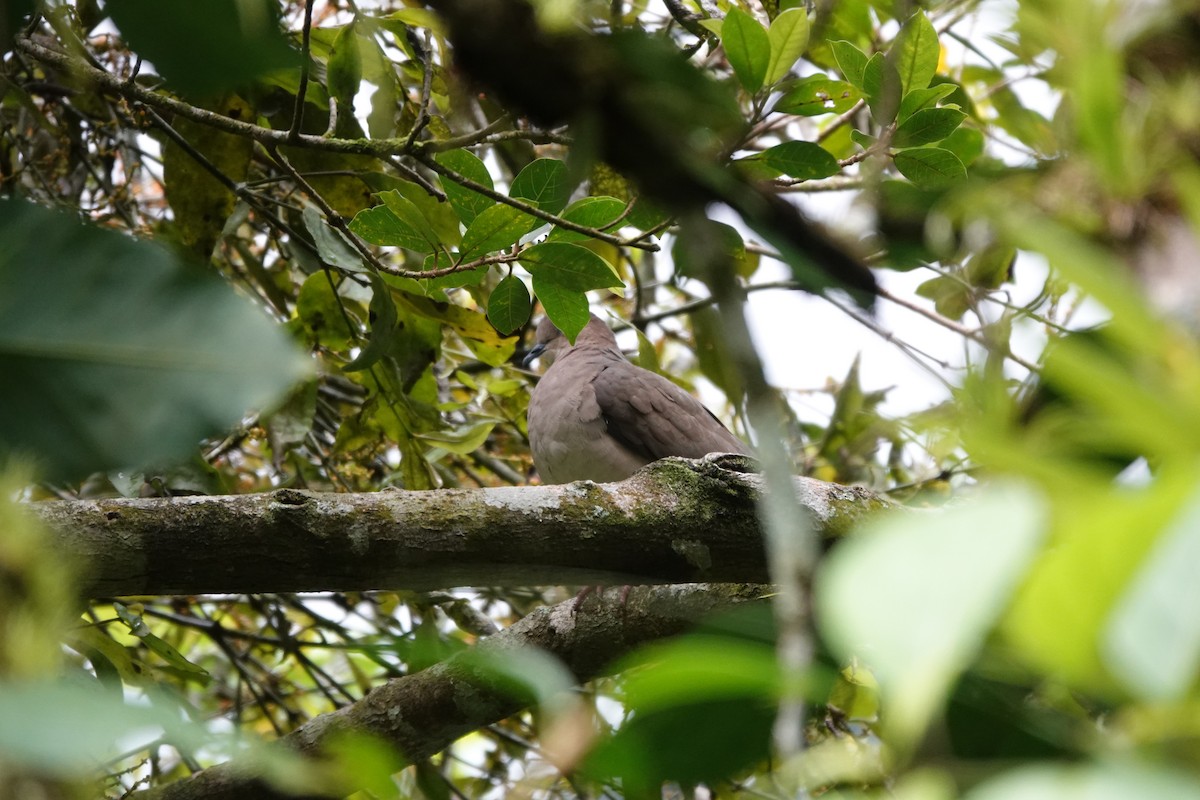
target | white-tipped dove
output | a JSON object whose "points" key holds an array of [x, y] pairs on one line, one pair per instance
{"points": [[595, 416]]}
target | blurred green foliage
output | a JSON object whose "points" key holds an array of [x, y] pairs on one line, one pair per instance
{"points": [[1029, 628]]}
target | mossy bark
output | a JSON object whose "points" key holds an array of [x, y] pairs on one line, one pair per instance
{"points": [[677, 521]]}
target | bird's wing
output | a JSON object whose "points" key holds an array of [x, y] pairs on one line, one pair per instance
{"points": [[654, 418]]}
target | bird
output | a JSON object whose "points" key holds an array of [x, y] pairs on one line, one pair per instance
{"points": [[596, 416]]}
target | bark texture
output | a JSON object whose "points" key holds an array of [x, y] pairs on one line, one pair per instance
{"points": [[676, 521]]}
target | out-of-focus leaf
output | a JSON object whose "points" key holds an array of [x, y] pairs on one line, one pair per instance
{"points": [[292, 421], [851, 61], [954, 294], [647, 357], [343, 73], [570, 266], [115, 354], [1062, 621], [930, 167], [544, 182], [319, 310], [382, 327], [1115, 781], [966, 143], [509, 305], [732, 246], [748, 48], [331, 244], [818, 95], [1152, 640], [201, 48], [712, 352], [66, 729], [788, 36], [497, 228], [366, 762], [1027, 125], [466, 202], [917, 52], [11, 17], [703, 712], [803, 160], [916, 636], [927, 126]]}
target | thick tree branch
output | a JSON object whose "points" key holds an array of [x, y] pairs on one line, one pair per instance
{"points": [[677, 521], [423, 713]]}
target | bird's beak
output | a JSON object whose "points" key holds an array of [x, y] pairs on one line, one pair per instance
{"points": [[532, 355]]}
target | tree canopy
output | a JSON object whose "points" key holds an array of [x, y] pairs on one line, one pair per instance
{"points": [[262, 259]]}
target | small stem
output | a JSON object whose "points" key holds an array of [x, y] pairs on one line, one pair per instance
{"points": [[305, 37]]}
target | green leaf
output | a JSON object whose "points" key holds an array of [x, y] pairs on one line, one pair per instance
{"points": [[462, 440], [205, 48], [927, 126], [383, 327], [917, 99], [851, 61], [593, 212], [930, 167], [467, 203], [331, 243], [509, 305], [748, 48], [788, 38], [569, 265], [916, 636], [567, 308], [818, 95], [115, 354], [497, 228], [881, 84], [916, 52], [395, 223], [544, 182], [722, 236], [804, 160], [437, 218], [343, 73], [472, 326]]}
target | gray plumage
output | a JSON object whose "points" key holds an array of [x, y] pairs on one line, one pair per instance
{"points": [[595, 416]]}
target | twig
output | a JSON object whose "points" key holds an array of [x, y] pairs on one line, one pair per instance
{"points": [[335, 219], [305, 38], [530, 208], [423, 115], [960, 329]]}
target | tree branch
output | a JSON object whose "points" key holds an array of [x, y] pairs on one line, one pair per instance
{"points": [[423, 713], [677, 521]]}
